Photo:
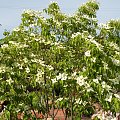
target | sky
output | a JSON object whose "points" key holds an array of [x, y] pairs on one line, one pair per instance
{"points": [[11, 10]]}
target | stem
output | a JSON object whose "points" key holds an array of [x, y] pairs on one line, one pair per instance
{"points": [[46, 95], [71, 108], [31, 105], [34, 112], [53, 104]]}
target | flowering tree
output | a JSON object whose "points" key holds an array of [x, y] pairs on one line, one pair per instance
{"points": [[56, 61]]}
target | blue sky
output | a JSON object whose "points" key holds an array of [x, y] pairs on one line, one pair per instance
{"points": [[10, 10]]}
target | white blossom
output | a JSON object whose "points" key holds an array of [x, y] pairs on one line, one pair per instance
{"points": [[2, 69], [96, 81], [50, 67], [114, 45], [105, 26], [9, 81], [74, 74], [32, 13], [84, 69], [99, 46], [117, 95], [62, 76], [54, 80], [93, 59], [105, 65], [39, 73], [32, 35], [86, 16], [4, 46], [59, 99], [27, 70], [109, 97], [25, 60], [115, 81], [36, 39], [16, 29], [87, 53], [75, 34], [20, 67], [116, 61], [117, 53], [39, 76], [61, 46], [105, 86], [88, 87], [41, 41], [52, 1], [81, 80], [90, 37], [78, 101], [33, 55], [99, 77], [23, 46], [12, 42]]}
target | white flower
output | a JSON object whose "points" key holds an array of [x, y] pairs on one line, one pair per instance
{"points": [[62, 76], [109, 97], [93, 59], [116, 62], [27, 70], [32, 13], [53, 2], [84, 69], [78, 101], [115, 81], [86, 16], [99, 77], [117, 96], [75, 34], [74, 74], [4, 46], [20, 67], [60, 46], [16, 29], [59, 99], [106, 26], [81, 80], [25, 60], [87, 53], [114, 45], [50, 67], [33, 55], [105, 86], [2, 69], [54, 80], [90, 37], [39, 73], [32, 35], [24, 45], [105, 65], [12, 42], [117, 53], [99, 46], [9, 81], [42, 41], [96, 81], [37, 39], [39, 76], [41, 62]]}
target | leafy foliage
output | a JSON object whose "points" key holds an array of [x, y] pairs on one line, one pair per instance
{"points": [[60, 61]]}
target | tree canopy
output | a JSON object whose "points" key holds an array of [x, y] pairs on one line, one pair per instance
{"points": [[71, 61]]}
